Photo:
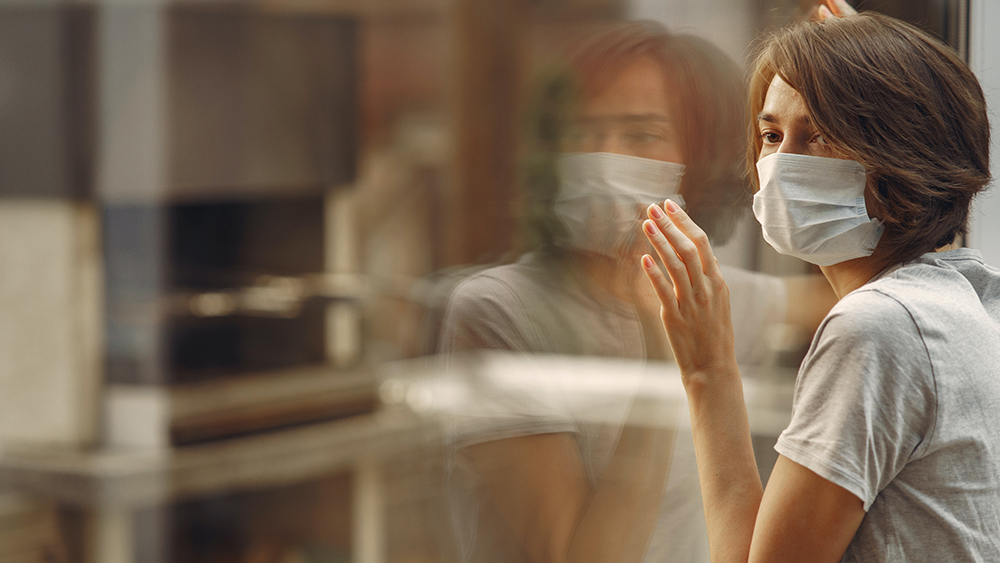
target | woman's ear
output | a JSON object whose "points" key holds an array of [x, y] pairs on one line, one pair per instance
{"points": [[875, 195]]}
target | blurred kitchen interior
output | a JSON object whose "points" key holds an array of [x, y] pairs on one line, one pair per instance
{"points": [[228, 231]]}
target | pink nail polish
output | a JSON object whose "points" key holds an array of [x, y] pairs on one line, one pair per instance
{"points": [[654, 212], [650, 227], [647, 262], [672, 207]]}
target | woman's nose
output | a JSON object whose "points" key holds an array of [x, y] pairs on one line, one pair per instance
{"points": [[611, 143], [791, 146], [788, 147]]}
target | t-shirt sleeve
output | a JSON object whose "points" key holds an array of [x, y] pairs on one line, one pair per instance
{"points": [[486, 314], [864, 399]]}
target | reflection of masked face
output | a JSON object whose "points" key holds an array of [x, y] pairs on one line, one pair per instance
{"points": [[602, 196]]}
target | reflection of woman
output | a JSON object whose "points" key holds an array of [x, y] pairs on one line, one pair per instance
{"points": [[660, 116], [549, 488], [870, 141]]}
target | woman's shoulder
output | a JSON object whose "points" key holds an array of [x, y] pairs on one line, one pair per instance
{"points": [[923, 311], [870, 311], [503, 284], [510, 294], [953, 288]]}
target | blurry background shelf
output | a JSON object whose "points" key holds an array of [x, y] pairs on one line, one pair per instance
{"points": [[131, 478], [146, 416], [127, 496]]}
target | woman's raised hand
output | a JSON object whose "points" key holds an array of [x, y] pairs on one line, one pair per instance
{"points": [[694, 298], [834, 9]]}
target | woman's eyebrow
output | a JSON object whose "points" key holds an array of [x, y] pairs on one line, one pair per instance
{"points": [[646, 117], [770, 118], [628, 118]]}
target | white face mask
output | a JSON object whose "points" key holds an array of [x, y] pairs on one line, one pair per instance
{"points": [[813, 208], [603, 195]]}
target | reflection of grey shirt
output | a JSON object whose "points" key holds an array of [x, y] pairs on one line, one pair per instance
{"points": [[534, 308], [898, 401]]}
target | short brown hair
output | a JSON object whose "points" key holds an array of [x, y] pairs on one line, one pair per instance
{"points": [[898, 101], [706, 95]]}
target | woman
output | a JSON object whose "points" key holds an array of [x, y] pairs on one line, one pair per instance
{"points": [[870, 141]]}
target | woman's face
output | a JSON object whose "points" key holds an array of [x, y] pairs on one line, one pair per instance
{"points": [[631, 117], [785, 126]]}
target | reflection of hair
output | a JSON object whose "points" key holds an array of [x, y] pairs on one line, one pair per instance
{"points": [[900, 102], [706, 92], [547, 123]]}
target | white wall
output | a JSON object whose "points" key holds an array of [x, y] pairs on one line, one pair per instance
{"points": [[50, 325], [984, 54]]}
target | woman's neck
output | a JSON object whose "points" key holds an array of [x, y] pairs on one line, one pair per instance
{"points": [[614, 276], [847, 276]]}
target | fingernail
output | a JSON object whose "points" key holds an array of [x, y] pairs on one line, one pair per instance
{"points": [[647, 262], [649, 227], [672, 207], [654, 212]]}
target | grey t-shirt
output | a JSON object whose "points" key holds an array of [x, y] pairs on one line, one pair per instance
{"points": [[535, 308], [898, 401]]}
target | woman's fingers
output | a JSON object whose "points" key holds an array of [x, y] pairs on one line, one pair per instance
{"points": [[695, 311], [661, 286], [697, 236], [836, 8], [684, 248], [841, 8], [690, 242], [673, 263], [828, 9]]}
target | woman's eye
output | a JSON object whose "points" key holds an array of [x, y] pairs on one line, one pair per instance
{"points": [[820, 139], [643, 137], [770, 137]]}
